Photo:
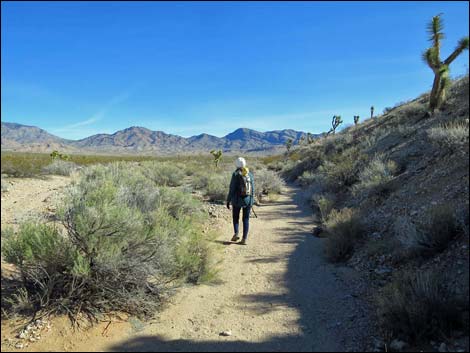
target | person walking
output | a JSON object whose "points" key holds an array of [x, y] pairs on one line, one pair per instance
{"points": [[241, 196]]}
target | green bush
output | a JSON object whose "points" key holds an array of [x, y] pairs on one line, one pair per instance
{"points": [[419, 306], [267, 182], [164, 173], [217, 187], [60, 167], [325, 203], [341, 171], [374, 176], [125, 243], [344, 229]]}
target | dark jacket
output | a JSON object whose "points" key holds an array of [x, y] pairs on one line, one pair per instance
{"points": [[234, 198]]}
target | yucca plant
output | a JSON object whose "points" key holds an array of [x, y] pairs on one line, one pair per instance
{"points": [[440, 68], [356, 119], [372, 111]]}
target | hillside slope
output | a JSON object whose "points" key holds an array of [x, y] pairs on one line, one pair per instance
{"points": [[392, 198]]}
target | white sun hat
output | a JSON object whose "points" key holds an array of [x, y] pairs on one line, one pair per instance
{"points": [[240, 162]]}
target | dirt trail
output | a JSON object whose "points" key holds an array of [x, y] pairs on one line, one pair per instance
{"points": [[275, 294]]}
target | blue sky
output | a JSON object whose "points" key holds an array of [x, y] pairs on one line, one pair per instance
{"points": [[80, 68]]}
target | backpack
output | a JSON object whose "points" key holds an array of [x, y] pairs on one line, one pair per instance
{"points": [[244, 188]]}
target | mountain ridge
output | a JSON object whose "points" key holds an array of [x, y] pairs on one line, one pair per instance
{"points": [[19, 137]]}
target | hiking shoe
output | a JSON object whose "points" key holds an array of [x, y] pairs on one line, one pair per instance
{"points": [[235, 237], [243, 242]]}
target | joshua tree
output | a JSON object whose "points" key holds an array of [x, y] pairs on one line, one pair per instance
{"points": [[372, 112], [335, 122], [440, 68], [55, 154], [289, 144], [356, 119], [309, 138], [217, 157]]}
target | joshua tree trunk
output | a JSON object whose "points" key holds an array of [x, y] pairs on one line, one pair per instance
{"points": [[434, 98]]}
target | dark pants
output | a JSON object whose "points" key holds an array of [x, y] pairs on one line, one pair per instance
{"points": [[246, 219]]}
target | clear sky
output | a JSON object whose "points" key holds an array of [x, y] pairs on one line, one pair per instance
{"points": [[80, 68]]}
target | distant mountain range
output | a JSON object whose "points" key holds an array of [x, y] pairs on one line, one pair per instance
{"points": [[18, 137]]}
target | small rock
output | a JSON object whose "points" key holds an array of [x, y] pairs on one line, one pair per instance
{"points": [[398, 345], [19, 345], [226, 333], [22, 335], [443, 347]]}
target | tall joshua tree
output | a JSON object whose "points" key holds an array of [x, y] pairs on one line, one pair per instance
{"points": [[440, 68], [356, 119], [372, 112]]}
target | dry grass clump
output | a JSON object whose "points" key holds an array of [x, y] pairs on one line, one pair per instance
{"points": [[453, 136], [419, 306], [431, 235], [345, 229]]}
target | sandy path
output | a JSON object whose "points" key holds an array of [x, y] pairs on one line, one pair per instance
{"points": [[276, 294]]}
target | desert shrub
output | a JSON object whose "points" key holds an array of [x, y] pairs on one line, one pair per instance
{"points": [[420, 306], [336, 143], [451, 136], [179, 203], [199, 181], [267, 182], [307, 178], [325, 203], [125, 243], [60, 167], [439, 228], [433, 234], [374, 176], [164, 173], [341, 171], [217, 187], [345, 229], [412, 111]]}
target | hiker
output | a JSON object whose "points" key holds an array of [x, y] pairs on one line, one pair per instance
{"points": [[240, 195]]}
